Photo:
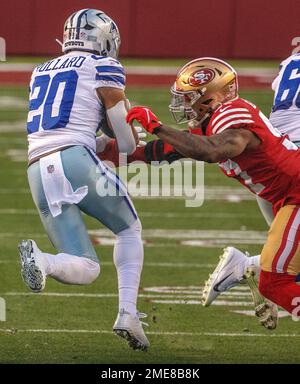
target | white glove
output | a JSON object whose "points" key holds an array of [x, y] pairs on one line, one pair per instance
{"points": [[141, 135], [102, 140]]}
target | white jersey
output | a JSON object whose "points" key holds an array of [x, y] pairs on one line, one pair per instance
{"points": [[64, 107], [285, 115]]}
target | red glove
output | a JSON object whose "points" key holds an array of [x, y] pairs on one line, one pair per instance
{"points": [[145, 117]]}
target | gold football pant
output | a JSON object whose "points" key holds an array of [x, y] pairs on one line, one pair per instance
{"points": [[281, 252]]}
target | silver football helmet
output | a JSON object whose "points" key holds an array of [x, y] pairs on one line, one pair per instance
{"points": [[91, 30]]}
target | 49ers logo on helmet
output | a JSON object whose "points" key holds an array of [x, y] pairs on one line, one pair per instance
{"points": [[201, 76]]}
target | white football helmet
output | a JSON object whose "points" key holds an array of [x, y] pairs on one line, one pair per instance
{"points": [[91, 30]]}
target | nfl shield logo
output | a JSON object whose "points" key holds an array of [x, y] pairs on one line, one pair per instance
{"points": [[50, 168]]}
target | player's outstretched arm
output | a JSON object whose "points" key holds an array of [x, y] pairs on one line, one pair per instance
{"points": [[213, 149], [228, 144]]}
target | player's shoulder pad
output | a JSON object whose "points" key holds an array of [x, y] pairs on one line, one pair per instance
{"points": [[234, 113], [108, 69]]}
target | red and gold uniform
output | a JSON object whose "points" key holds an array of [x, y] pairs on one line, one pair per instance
{"points": [[271, 171]]}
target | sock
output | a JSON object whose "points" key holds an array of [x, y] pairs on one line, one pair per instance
{"points": [[253, 261], [281, 289], [70, 269], [128, 259]]}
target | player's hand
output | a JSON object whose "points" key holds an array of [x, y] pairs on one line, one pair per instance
{"points": [[145, 117], [141, 135]]}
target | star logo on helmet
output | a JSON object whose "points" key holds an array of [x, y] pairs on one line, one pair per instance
{"points": [[201, 77]]}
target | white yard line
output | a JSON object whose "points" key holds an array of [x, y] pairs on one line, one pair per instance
{"points": [[103, 331], [171, 234], [219, 193], [151, 264], [13, 126], [164, 215], [192, 234], [142, 295]]}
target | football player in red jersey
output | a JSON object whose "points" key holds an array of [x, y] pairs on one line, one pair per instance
{"points": [[241, 139]]}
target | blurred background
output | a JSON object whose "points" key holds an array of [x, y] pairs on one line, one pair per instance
{"points": [[251, 29]]}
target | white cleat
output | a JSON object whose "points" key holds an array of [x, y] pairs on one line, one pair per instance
{"points": [[265, 310], [130, 328], [32, 271], [228, 273]]}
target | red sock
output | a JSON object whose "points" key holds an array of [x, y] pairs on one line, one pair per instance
{"points": [[281, 289]]}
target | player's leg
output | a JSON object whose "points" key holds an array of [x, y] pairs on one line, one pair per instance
{"points": [[233, 265], [108, 202], [235, 268], [280, 259], [76, 262]]}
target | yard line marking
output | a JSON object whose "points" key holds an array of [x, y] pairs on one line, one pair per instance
{"points": [[108, 295], [199, 302], [23, 235], [19, 191], [154, 333], [13, 126], [151, 264], [13, 211], [192, 237], [196, 234], [17, 155], [208, 215], [171, 215], [13, 102], [218, 193]]}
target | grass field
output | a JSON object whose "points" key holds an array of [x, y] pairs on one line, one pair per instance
{"points": [[72, 324]]}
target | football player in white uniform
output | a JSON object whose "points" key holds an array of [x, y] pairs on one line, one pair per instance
{"points": [[234, 264], [71, 98]]}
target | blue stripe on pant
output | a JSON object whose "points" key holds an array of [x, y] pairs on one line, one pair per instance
{"points": [[67, 231]]}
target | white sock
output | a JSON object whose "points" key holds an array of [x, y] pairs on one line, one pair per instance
{"points": [[70, 269], [128, 259], [253, 261]]}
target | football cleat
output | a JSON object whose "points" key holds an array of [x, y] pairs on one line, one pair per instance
{"points": [[130, 328], [228, 273], [32, 271], [265, 310]]}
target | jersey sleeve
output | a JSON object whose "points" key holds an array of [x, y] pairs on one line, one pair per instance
{"points": [[231, 117], [109, 73]]}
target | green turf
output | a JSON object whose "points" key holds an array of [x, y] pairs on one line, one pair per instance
{"points": [[167, 263]]}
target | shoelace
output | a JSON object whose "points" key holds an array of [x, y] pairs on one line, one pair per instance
{"points": [[141, 315]]}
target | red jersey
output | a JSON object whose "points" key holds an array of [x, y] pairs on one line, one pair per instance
{"points": [[272, 170]]}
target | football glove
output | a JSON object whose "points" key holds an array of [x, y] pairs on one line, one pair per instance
{"points": [[145, 117]]}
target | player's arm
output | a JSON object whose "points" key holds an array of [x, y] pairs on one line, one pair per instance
{"points": [[213, 149], [116, 105], [228, 144]]}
